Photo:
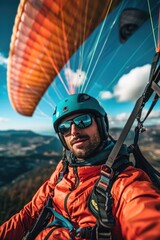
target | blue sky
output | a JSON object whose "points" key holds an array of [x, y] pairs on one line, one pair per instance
{"points": [[113, 72]]}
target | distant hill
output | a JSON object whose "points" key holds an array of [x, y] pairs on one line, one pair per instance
{"points": [[17, 133], [151, 134], [21, 151]]}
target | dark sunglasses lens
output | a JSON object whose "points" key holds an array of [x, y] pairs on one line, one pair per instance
{"points": [[64, 127], [83, 121]]}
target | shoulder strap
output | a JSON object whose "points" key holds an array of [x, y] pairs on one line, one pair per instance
{"points": [[100, 200]]}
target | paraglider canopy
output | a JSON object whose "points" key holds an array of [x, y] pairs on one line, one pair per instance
{"points": [[45, 35]]}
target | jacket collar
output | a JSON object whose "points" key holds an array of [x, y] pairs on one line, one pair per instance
{"points": [[98, 159]]}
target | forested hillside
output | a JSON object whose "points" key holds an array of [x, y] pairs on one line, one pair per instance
{"points": [[16, 194]]}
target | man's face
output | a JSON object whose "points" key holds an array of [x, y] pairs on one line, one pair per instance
{"points": [[82, 142]]}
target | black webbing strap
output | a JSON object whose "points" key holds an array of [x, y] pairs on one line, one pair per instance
{"points": [[141, 162], [156, 88], [136, 113], [124, 133], [41, 222], [100, 201], [100, 204]]}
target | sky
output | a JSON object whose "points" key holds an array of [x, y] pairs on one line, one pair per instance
{"points": [[115, 73]]}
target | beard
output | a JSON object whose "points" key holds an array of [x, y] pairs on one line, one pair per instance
{"points": [[82, 152]]}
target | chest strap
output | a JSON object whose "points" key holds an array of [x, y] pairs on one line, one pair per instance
{"points": [[100, 201]]}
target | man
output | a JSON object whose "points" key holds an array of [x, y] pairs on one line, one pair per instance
{"points": [[82, 126]]}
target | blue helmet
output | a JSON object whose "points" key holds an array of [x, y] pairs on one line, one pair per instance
{"points": [[81, 103]]}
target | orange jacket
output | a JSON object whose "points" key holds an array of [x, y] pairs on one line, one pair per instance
{"points": [[136, 206]]}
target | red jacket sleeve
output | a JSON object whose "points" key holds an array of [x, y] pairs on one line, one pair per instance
{"points": [[18, 225], [137, 206]]}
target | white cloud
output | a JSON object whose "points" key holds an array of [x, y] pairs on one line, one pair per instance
{"points": [[75, 79], [3, 60], [105, 95], [122, 117], [130, 86]]}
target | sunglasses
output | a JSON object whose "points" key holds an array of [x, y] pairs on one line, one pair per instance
{"points": [[81, 122]]}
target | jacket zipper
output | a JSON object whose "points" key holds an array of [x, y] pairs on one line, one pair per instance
{"points": [[71, 190]]}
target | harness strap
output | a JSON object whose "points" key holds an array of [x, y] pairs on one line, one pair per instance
{"points": [[156, 88], [100, 201], [141, 162], [124, 133], [40, 223], [59, 220], [151, 87]]}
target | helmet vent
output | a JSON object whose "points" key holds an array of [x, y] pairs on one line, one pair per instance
{"points": [[83, 97], [65, 109]]}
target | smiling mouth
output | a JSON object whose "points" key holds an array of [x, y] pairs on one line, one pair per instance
{"points": [[79, 141]]}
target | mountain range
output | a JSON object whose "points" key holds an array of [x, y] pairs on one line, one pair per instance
{"points": [[22, 151]]}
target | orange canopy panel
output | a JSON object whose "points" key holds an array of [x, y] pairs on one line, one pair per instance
{"points": [[45, 35]]}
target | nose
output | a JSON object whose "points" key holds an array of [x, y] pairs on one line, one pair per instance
{"points": [[74, 130]]}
